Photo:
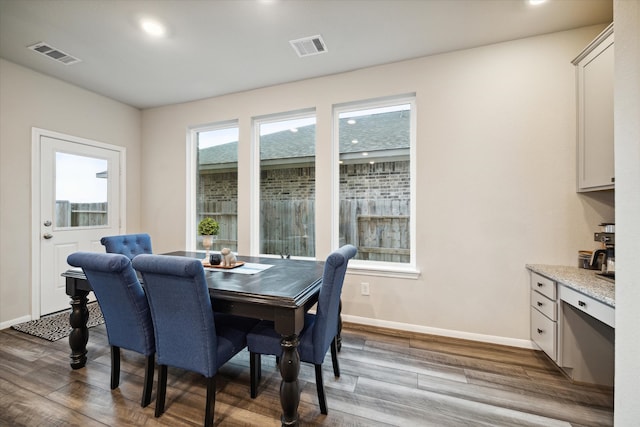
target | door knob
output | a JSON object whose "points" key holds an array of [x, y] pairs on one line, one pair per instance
{"points": [[47, 236], [47, 223]]}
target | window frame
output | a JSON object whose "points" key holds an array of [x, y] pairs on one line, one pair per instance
{"points": [[367, 267]]}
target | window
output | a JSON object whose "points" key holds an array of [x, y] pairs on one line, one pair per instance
{"points": [[287, 185], [81, 191], [376, 191], [217, 183]]}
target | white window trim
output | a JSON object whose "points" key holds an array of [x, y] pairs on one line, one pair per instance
{"points": [[376, 268]]}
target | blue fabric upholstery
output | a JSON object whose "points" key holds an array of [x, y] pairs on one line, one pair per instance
{"points": [[187, 334], [129, 245], [320, 329], [123, 304]]}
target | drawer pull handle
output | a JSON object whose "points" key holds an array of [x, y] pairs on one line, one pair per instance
{"points": [[540, 304], [540, 331], [540, 284], [582, 303]]}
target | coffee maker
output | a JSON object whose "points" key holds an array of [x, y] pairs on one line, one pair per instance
{"points": [[605, 259]]}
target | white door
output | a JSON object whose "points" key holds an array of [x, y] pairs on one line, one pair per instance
{"points": [[79, 204]]}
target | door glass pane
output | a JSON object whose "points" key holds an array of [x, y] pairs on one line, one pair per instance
{"points": [[287, 187], [217, 185], [81, 191]]}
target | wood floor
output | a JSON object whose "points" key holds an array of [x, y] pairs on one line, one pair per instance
{"points": [[386, 381]]}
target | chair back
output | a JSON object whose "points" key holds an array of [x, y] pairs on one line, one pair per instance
{"points": [[122, 300], [181, 311], [325, 326], [129, 245]]}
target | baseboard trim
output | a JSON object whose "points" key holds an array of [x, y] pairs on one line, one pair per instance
{"points": [[409, 330], [9, 323]]}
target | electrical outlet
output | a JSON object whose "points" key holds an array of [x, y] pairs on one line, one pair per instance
{"points": [[364, 288]]}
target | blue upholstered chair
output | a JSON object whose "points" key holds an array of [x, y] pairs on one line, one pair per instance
{"points": [[128, 244], [187, 335], [125, 310], [320, 330]]}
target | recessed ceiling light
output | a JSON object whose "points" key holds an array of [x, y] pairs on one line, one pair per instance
{"points": [[365, 154], [536, 2], [152, 27]]}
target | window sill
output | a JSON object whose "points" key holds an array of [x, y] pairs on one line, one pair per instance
{"points": [[383, 270]]}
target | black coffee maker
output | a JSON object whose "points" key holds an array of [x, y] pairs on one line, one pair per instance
{"points": [[604, 259]]}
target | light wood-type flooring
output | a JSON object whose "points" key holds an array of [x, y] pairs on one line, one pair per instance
{"points": [[387, 380]]}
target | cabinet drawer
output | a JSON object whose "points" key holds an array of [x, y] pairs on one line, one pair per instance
{"points": [[546, 287], [544, 333], [596, 309], [544, 305]]}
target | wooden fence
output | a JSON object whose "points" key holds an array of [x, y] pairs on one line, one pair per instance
{"points": [[69, 214], [226, 213], [378, 228]]}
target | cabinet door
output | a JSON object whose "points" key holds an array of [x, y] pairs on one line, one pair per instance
{"points": [[595, 117]]}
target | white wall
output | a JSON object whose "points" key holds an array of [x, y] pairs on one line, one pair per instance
{"points": [[29, 99], [496, 155], [627, 158]]}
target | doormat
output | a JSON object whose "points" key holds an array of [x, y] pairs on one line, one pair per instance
{"points": [[56, 326]]}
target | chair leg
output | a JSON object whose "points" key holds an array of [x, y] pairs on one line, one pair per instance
{"points": [[334, 356], [162, 389], [211, 401], [320, 387], [115, 366], [339, 336], [255, 368], [148, 380]]}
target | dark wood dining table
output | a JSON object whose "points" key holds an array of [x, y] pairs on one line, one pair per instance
{"points": [[282, 293]]}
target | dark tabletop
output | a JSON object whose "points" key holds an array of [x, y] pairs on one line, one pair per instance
{"points": [[286, 284]]}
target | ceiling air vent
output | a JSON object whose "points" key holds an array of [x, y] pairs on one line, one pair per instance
{"points": [[53, 53], [308, 46]]}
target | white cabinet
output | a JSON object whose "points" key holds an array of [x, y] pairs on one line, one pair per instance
{"points": [[575, 330], [544, 309], [594, 76]]}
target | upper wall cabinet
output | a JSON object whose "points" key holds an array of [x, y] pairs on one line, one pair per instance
{"points": [[594, 73]]}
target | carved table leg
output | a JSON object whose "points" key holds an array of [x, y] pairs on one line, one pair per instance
{"points": [[79, 334], [289, 387]]}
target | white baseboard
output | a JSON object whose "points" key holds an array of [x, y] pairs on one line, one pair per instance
{"points": [[512, 342], [9, 323]]}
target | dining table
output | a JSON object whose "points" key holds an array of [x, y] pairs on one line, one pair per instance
{"points": [[278, 289]]}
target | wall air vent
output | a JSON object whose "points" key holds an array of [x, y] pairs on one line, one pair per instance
{"points": [[53, 53], [308, 46]]}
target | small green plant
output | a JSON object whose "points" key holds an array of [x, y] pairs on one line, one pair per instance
{"points": [[208, 227]]}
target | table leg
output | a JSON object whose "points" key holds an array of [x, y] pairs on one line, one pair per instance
{"points": [[80, 333], [289, 387]]}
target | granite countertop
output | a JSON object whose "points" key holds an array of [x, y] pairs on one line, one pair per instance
{"points": [[579, 279]]}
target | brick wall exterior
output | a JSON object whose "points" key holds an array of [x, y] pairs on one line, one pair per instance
{"points": [[357, 181]]}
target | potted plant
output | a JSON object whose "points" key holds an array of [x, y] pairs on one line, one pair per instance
{"points": [[207, 228]]}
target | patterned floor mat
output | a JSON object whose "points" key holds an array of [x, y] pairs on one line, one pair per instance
{"points": [[56, 326]]}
